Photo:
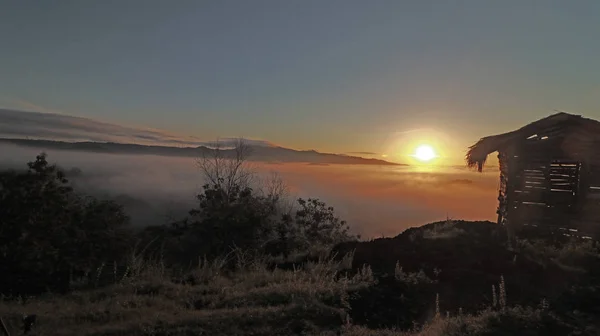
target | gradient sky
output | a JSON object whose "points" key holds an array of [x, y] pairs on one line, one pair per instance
{"points": [[331, 75]]}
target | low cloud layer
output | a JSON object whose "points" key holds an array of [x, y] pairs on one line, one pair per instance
{"points": [[376, 201], [363, 153], [49, 126]]}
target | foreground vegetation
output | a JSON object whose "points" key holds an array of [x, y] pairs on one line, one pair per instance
{"points": [[246, 262], [250, 299]]}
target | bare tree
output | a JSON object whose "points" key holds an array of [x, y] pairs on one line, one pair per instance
{"points": [[274, 187], [227, 167]]}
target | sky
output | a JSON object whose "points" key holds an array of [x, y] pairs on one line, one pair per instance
{"points": [[332, 75]]}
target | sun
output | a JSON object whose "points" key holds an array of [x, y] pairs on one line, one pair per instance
{"points": [[425, 153]]}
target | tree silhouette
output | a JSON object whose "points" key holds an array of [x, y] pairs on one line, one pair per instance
{"points": [[319, 224], [47, 231], [231, 213]]}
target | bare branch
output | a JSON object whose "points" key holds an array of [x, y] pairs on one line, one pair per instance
{"points": [[227, 167], [274, 186]]}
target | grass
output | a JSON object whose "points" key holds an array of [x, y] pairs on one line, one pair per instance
{"points": [[445, 230], [241, 294], [210, 300], [512, 321], [248, 300], [572, 252]]}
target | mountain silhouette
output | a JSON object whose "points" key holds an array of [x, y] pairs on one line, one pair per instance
{"points": [[272, 154]]}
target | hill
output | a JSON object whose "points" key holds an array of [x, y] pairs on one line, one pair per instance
{"points": [[438, 277], [460, 262], [258, 153]]}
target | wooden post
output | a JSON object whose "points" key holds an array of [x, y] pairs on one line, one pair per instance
{"points": [[501, 208], [513, 167]]}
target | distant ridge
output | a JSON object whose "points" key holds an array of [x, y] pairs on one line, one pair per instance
{"points": [[258, 153]]}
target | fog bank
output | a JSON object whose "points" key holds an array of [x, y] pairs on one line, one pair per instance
{"points": [[375, 200]]}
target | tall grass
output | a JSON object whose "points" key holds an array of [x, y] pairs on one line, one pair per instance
{"points": [[239, 293], [223, 293]]}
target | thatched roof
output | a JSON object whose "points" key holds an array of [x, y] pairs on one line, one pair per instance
{"points": [[477, 154]]}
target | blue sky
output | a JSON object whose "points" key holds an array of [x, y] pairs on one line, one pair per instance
{"points": [[333, 75]]}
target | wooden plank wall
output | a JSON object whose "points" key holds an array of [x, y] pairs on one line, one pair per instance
{"points": [[543, 184], [584, 146], [554, 182]]}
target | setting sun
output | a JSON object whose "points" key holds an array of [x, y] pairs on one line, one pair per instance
{"points": [[425, 153]]}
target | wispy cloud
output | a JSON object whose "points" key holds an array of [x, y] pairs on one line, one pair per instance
{"points": [[53, 126], [411, 131], [26, 105], [230, 142], [362, 153]]}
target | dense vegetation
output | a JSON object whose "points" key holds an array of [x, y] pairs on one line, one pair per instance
{"points": [[246, 261]]}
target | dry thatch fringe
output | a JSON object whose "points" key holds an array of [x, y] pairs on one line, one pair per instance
{"points": [[477, 154]]}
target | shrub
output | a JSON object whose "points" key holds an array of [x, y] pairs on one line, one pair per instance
{"points": [[444, 230], [226, 220], [318, 223], [48, 232], [233, 212]]}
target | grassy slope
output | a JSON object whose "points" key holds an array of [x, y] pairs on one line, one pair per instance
{"points": [[250, 301], [316, 299]]}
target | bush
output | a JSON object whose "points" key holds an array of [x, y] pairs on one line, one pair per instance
{"points": [[319, 224], [511, 321], [233, 213], [226, 220], [48, 232], [446, 230]]}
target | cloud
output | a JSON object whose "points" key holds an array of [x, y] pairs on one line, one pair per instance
{"points": [[46, 125], [374, 200], [362, 153], [231, 142], [412, 131], [386, 200], [459, 181], [22, 104]]}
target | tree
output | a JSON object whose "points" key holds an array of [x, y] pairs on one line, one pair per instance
{"points": [[236, 209], [319, 224], [227, 169], [230, 212], [48, 231]]}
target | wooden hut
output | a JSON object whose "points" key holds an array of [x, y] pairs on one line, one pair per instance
{"points": [[549, 174]]}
